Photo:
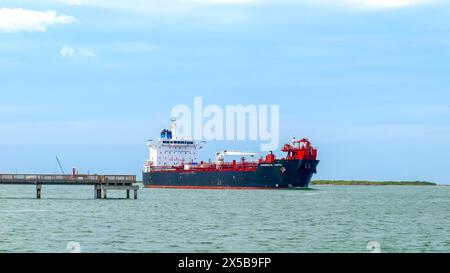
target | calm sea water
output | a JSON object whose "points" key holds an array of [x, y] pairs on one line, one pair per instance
{"points": [[327, 219]]}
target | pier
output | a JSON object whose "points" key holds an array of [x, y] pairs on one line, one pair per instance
{"points": [[101, 183]]}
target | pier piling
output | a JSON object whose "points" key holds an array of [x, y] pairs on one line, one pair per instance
{"points": [[97, 192], [38, 191]]}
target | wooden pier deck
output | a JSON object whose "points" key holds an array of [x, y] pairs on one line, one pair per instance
{"points": [[102, 183]]}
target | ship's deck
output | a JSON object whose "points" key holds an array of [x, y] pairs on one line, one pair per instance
{"points": [[209, 167]]}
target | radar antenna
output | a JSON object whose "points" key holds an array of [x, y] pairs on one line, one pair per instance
{"points": [[174, 125]]}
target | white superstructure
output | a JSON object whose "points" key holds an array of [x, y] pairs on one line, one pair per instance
{"points": [[169, 151]]}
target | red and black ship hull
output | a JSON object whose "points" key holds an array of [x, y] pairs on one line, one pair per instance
{"points": [[277, 175]]}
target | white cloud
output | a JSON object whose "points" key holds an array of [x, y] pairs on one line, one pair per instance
{"points": [[67, 52], [71, 53], [16, 20]]}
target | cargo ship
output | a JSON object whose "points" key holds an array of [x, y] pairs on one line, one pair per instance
{"points": [[174, 163]]}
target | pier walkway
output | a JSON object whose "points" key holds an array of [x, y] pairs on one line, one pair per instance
{"points": [[101, 183]]}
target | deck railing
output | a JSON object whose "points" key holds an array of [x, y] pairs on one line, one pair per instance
{"points": [[207, 167]]}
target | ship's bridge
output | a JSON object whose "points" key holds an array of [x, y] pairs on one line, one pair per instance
{"points": [[169, 150]]}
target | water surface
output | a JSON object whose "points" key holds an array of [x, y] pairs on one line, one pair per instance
{"points": [[327, 219]]}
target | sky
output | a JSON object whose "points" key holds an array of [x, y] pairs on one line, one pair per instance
{"points": [[91, 80]]}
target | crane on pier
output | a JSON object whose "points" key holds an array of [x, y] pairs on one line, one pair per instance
{"points": [[60, 166]]}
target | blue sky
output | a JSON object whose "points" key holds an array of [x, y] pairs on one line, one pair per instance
{"points": [[367, 81]]}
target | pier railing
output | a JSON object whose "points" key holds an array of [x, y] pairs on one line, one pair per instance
{"points": [[102, 183], [52, 178]]}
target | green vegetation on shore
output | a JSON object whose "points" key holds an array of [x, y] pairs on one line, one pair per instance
{"points": [[372, 183]]}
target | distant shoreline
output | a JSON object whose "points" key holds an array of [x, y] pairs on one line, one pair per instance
{"points": [[372, 183]]}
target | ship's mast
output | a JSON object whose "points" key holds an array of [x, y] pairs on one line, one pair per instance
{"points": [[174, 127]]}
